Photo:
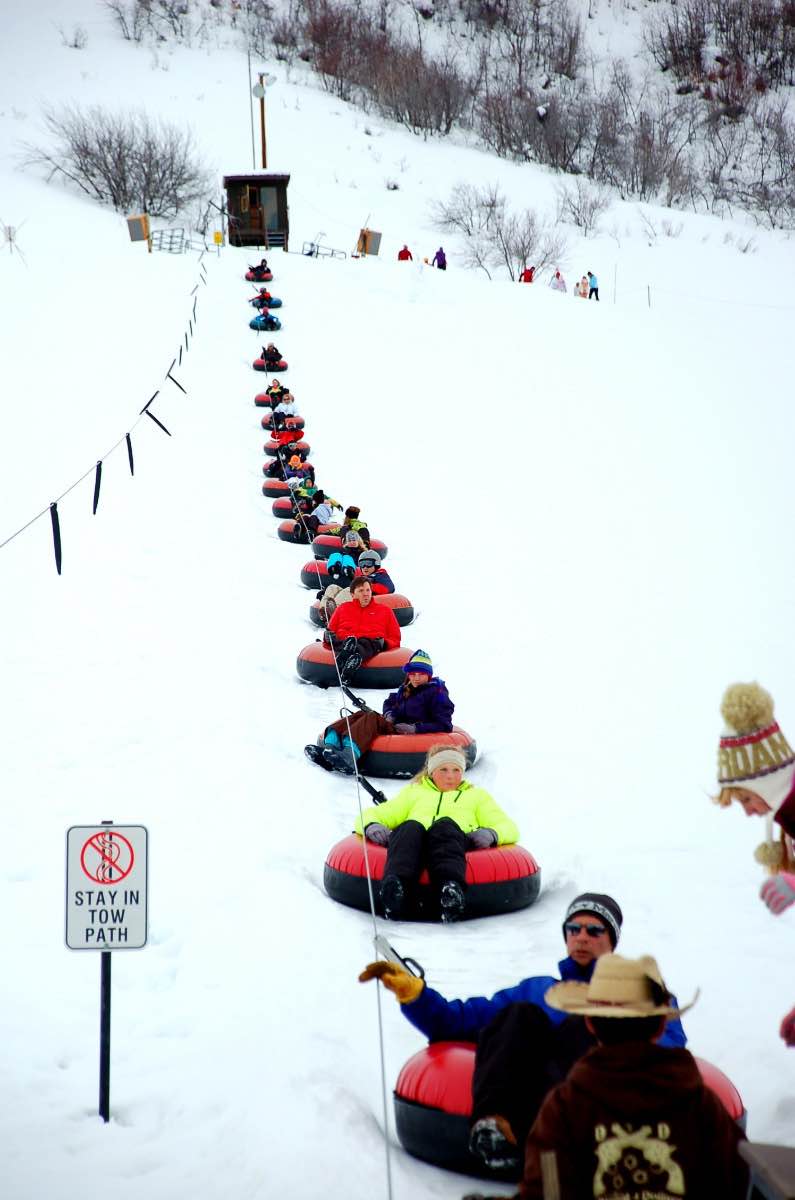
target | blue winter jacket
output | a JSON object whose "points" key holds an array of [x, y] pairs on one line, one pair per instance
{"points": [[462, 1020], [428, 707]]}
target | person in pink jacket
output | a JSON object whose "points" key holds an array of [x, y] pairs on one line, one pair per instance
{"points": [[361, 628]]}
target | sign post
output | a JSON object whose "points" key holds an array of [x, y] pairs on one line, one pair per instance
{"points": [[106, 909]]}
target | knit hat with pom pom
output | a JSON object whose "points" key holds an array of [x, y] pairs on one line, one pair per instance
{"points": [[753, 752]]}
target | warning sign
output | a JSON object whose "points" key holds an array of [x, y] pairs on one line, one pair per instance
{"points": [[106, 887]]}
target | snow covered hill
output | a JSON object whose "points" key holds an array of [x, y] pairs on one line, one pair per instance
{"points": [[588, 505]]}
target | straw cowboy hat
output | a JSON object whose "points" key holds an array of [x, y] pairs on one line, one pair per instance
{"points": [[619, 987]]}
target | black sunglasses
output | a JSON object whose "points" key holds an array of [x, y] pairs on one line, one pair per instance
{"points": [[593, 931]]}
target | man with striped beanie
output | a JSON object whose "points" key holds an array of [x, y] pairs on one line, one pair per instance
{"points": [[524, 1047]]}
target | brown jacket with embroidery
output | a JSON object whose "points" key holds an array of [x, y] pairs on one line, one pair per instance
{"points": [[635, 1122]]}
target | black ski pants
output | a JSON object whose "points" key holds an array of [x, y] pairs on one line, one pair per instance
{"points": [[520, 1056], [441, 849]]}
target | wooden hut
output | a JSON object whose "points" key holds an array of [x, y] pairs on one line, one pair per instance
{"points": [[256, 206]]}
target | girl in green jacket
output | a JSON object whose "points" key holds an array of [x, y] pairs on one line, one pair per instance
{"points": [[431, 823]]}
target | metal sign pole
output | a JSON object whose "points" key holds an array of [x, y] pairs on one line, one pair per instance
{"points": [[262, 122], [104, 1036], [106, 909]]}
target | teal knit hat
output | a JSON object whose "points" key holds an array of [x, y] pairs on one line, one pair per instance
{"points": [[419, 661]]}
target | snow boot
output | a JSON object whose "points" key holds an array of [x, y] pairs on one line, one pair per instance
{"points": [[351, 666], [316, 754], [393, 896], [339, 760], [451, 901], [492, 1140]]}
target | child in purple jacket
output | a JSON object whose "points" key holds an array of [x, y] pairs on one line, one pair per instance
{"points": [[421, 705]]}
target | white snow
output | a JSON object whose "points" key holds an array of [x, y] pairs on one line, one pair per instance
{"points": [[588, 505]]}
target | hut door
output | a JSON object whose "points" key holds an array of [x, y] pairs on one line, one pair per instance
{"points": [[270, 208], [254, 210]]}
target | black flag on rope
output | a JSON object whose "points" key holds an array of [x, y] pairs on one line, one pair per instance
{"points": [[56, 535]]}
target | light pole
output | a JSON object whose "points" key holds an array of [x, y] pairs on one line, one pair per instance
{"points": [[258, 90]]}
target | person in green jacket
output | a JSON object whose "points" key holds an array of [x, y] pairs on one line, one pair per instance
{"points": [[431, 823]]}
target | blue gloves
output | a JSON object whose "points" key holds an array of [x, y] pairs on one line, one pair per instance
{"points": [[376, 833], [404, 727], [482, 839]]}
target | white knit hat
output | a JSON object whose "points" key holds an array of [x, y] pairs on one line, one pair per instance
{"points": [[446, 756], [753, 752]]}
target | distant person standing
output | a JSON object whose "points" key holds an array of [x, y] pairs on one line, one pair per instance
{"points": [[405, 255], [527, 275], [439, 260], [593, 286]]}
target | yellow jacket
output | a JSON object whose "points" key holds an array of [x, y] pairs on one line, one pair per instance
{"points": [[470, 807]]}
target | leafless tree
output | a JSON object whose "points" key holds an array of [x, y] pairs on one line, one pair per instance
{"points": [[582, 204], [493, 236], [131, 17], [126, 160]]}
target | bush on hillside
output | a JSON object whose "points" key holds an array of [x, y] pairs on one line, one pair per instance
{"points": [[493, 236], [124, 160]]}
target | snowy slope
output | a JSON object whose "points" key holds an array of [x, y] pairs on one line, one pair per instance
{"points": [[589, 508]]}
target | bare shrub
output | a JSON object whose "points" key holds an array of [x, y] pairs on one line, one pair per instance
{"points": [[131, 17], [285, 39], [259, 26], [494, 236], [76, 40], [676, 38], [472, 212], [524, 239], [582, 204], [425, 96], [561, 49], [126, 160]]}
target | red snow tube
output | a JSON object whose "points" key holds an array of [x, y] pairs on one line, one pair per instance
{"points": [[266, 465], [263, 400], [401, 607], [395, 755], [315, 664], [315, 574], [275, 487], [283, 507], [433, 1104], [286, 532], [272, 448], [289, 422], [259, 364], [326, 544], [259, 276], [501, 880]]}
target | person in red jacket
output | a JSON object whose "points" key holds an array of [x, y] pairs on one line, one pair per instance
{"points": [[284, 437], [527, 275], [405, 255], [361, 628]]}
